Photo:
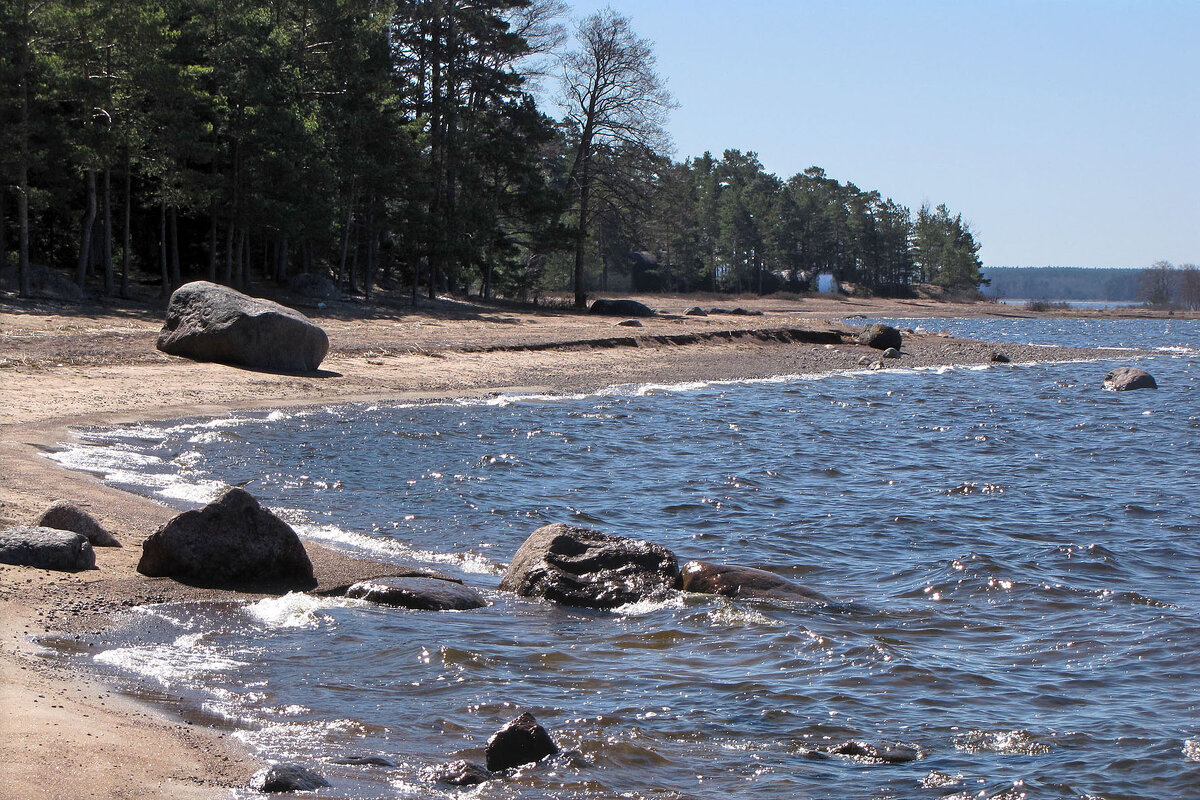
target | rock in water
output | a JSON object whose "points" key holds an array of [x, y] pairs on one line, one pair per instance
{"points": [[456, 773], [881, 337], [744, 583], [621, 308], [287, 778], [69, 517], [522, 741], [208, 322], [581, 567], [423, 594], [46, 548], [1124, 379], [232, 541]]}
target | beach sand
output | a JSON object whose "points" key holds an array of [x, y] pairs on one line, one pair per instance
{"points": [[70, 735]]}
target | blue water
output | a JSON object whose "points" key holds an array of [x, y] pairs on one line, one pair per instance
{"points": [[1011, 555]]}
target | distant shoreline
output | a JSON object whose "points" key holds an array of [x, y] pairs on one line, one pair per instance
{"points": [[63, 367]]}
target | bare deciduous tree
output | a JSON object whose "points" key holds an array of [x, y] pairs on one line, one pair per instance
{"points": [[614, 97]]}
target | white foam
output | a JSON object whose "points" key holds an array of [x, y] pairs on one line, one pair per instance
{"points": [[466, 561], [641, 608], [181, 661], [295, 609]]}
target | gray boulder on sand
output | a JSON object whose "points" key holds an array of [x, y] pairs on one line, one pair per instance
{"points": [[66, 516], [621, 308], [232, 541], [522, 741], [1123, 379], [208, 322], [582, 567], [743, 583], [287, 778], [46, 548], [422, 594], [881, 337]]}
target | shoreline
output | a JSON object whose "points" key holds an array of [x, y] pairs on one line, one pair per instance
{"points": [[101, 369]]}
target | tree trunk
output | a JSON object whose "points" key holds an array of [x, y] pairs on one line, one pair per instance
{"points": [[127, 237], [212, 242], [281, 260], [162, 248], [23, 70], [341, 276], [238, 279], [108, 250], [229, 253], [176, 273], [3, 227], [85, 238], [369, 278]]}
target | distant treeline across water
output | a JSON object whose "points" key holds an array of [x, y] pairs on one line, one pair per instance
{"points": [[1062, 283]]}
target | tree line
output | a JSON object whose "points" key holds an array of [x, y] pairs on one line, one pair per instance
{"points": [[401, 143], [1165, 285]]}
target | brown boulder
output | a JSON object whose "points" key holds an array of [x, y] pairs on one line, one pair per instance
{"points": [[522, 741], [66, 516], [744, 583], [1124, 379]]}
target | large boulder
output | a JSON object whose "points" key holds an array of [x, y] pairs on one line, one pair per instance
{"points": [[46, 548], [582, 567], [1123, 379], [881, 337], [743, 583], [279, 778], [46, 284], [422, 594], [208, 322], [316, 287], [522, 741], [621, 308], [232, 541], [67, 516]]}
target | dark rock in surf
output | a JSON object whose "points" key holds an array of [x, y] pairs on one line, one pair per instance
{"points": [[522, 741], [867, 753], [422, 594], [66, 516], [365, 761], [1000, 358], [232, 541], [207, 322], [881, 337], [621, 308], [743, 583], [279, 778], [456, 773], [1124, 379], [46, 548], [582, 567]]}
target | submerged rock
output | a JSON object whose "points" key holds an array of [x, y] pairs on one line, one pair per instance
{"points": [[522, 741], [66, 516], [46, 548], [232, 541], [423, 594], [621, 308], [881, 337], [1124, 379], [456, 773], [207, 322], [582, 567], [745, 583], [867, 753], [365, 761], [287, 778]]}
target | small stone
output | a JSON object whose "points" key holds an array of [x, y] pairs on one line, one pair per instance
{"points": [[287, 778], [696, 311], [891, 352], [456, 773], [630, 323], [522, 741]]}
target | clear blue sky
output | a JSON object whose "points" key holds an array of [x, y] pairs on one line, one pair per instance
{"points": [[1066, 133]]}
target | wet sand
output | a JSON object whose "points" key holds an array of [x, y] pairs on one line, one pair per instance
{"points": [[66, 735]]}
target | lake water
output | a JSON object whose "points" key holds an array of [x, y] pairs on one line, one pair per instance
{"points": [[1011, 554]]}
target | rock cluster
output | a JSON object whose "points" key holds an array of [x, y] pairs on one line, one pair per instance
{"points": [[208, 322]]}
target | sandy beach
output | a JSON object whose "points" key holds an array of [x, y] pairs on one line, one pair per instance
{"points": [[69, 735]]}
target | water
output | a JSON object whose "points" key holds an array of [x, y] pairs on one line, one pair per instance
{"points": [[1011, 555]]}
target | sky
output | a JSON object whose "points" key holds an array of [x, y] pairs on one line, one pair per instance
{"points": [[1065, 133]]}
